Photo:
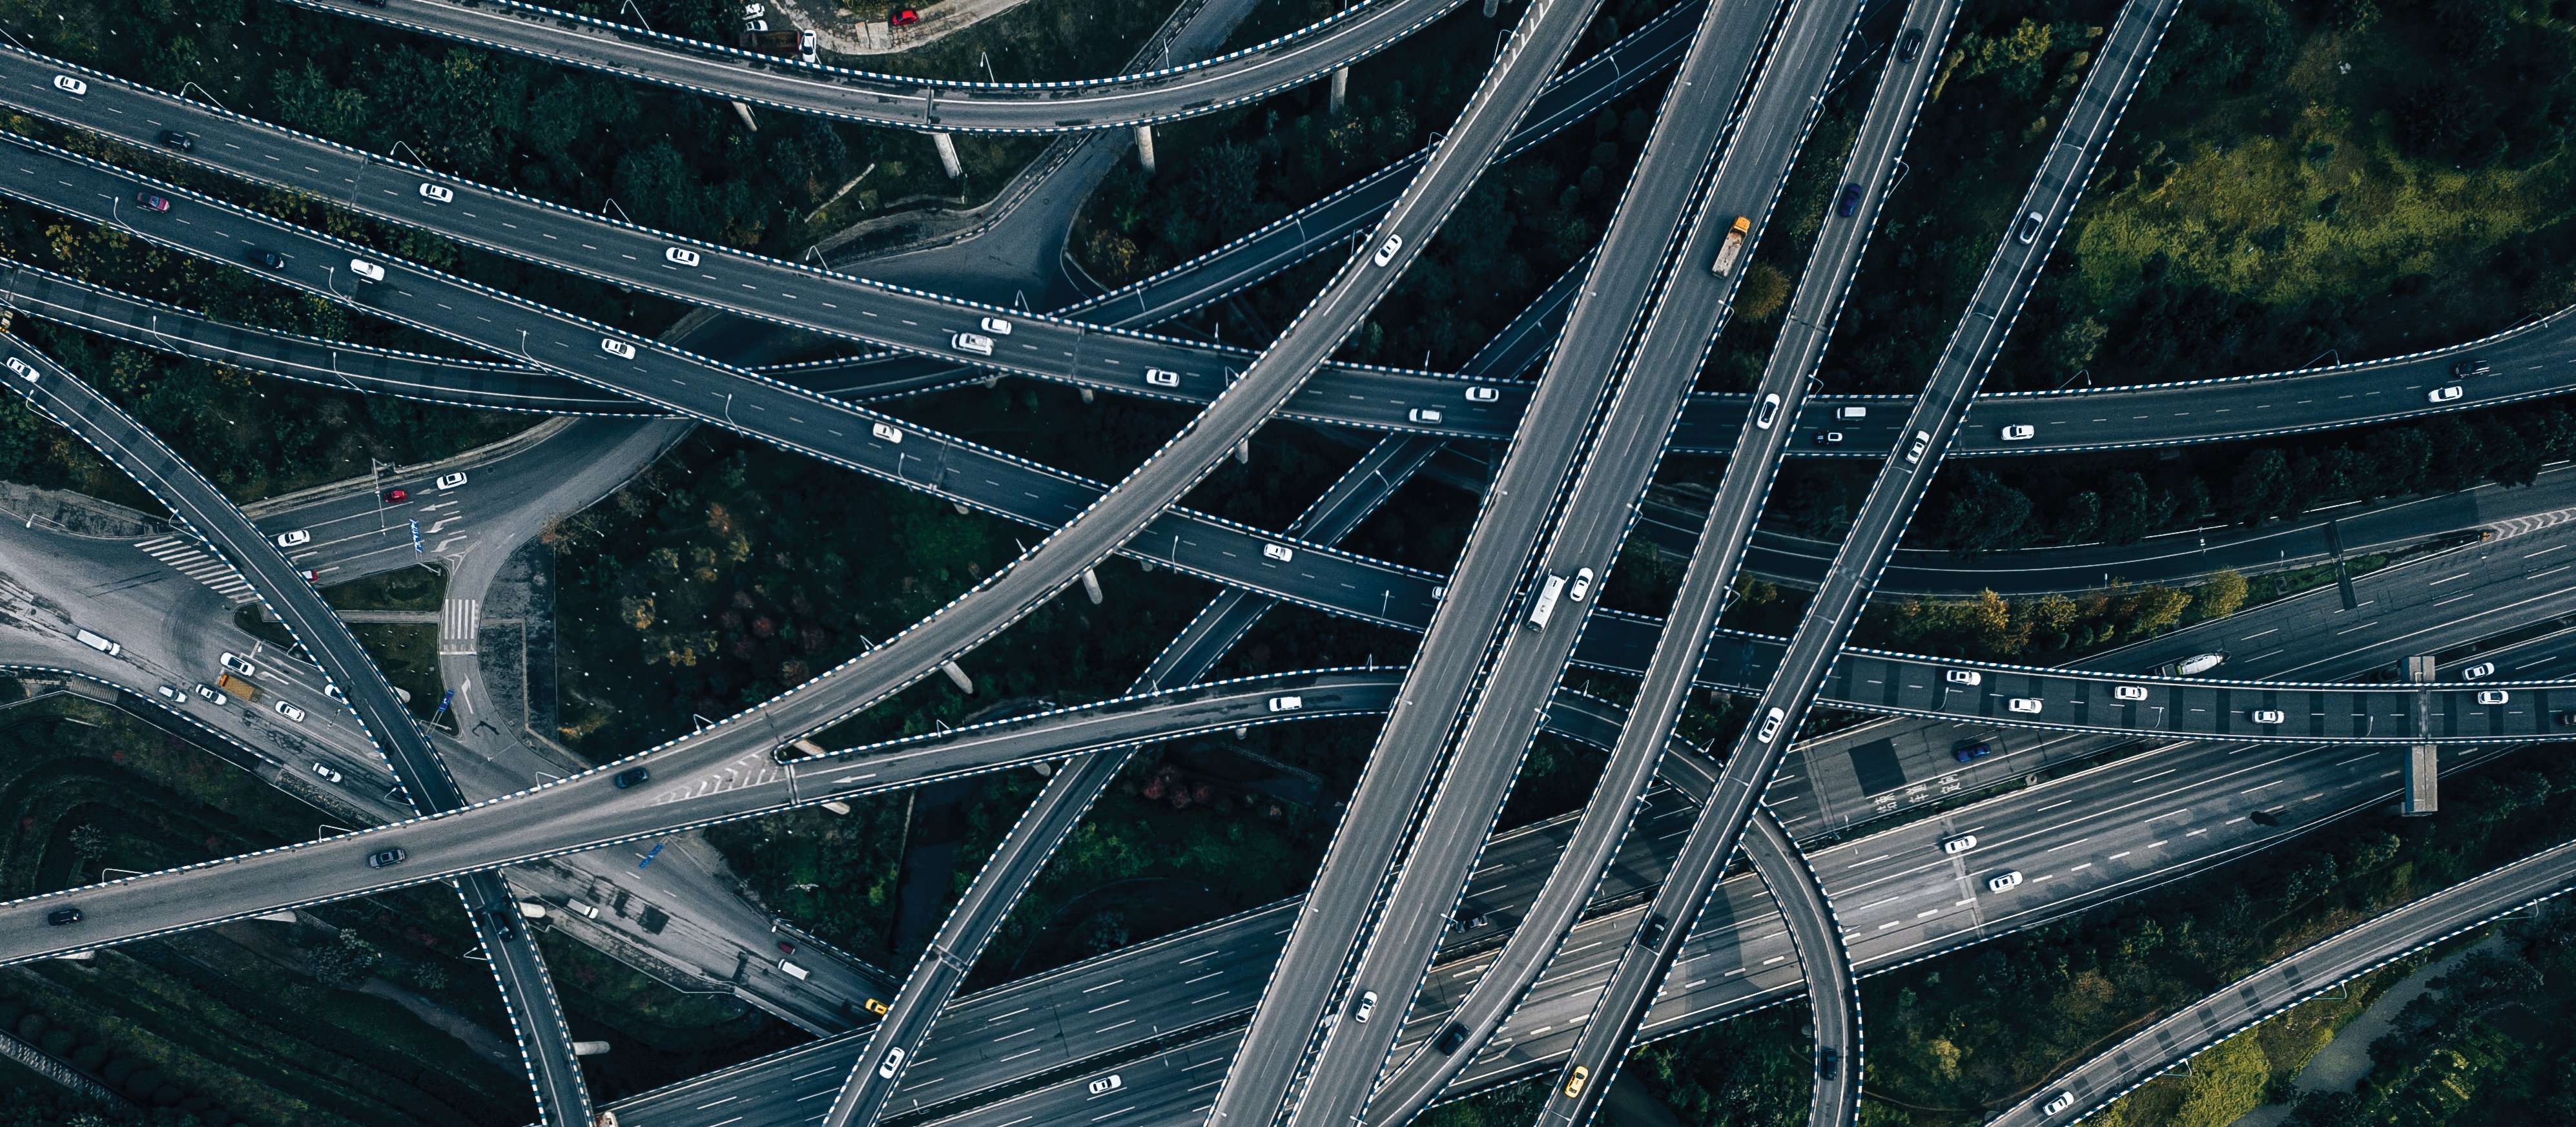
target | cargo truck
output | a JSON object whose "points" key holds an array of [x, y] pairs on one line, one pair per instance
{"points": [[1732, 248], [238, 687]]}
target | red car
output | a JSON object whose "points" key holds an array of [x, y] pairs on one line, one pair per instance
{"points": [[151, 202], [396, 496], [902, 17]]}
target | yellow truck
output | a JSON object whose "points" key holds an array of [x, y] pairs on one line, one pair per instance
{"points": [[238, 687], [1732, 248]]}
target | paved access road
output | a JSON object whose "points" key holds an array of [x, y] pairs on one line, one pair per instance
{"points": [[566, 39], [2340, 958], [545, 1042]]}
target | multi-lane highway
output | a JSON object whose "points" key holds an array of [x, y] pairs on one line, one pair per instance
{"points": [[1781, 709]]}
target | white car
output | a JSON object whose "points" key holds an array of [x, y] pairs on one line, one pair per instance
{"points": [[1769, 412], [1385, 250], [2268, 715], [297, 538], [219, 700], [451, 480], [1368, 1005], [2003, 880], [2027, 706], [365, 269], [2057, 1103], [438, 193], [70, 85], [886, 432], [1959, 844], [977, 343], [2445, 393], [1922, 445], [1482, 395], [292, 713], [680, 256], [24, 369], [1771, 722], [2020, 432], [1582, 585], [1848, 414], [2030, 225], [1427, 415], [996, 326], [172, 694], [1107, 1084], [2494, 696], [236, 664], [809, 48], [893, 1063], [2128, 692], [617, 348], [1963, 677], [1157, 377], [324, 770], [1287, 703], [2479, 672], [1279, 552]]}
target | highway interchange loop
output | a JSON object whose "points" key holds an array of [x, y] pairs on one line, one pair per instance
{"points": [[1562, 502]]}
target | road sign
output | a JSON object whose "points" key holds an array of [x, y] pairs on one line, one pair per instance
{"points": [[415, 537]]}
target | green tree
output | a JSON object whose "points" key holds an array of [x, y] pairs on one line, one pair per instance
{"points": [[1984, 514], [347, 961], [1762, 295], [2219, 595]]}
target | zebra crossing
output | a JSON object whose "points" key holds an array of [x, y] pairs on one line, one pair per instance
{"points": [[457, 621], [188, 558]]}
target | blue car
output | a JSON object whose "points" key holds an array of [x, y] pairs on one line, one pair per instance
{"points": [[1849, 204], [1972, 749]]}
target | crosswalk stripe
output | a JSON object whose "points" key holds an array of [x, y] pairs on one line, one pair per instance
{"points": [[196, 563]]}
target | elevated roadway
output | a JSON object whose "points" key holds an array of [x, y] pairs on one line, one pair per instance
{"points": [[545, 1041], [2339, 958], [2529, 361], [1308, 1056], [1783, 105], [1781, 709], [699, 67]]}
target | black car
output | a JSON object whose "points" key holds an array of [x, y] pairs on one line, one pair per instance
{"points": [[2470, 367], [1829, 1060], [1910, 48], [383, 857], [2567, 719], [1450, 1039], [504, 922], [184, 142], [267, 259], [631, 776], [60, 916], [1651, 932], [1849, 204]]}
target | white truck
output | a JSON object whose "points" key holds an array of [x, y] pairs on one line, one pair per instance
{"points": [[1543, 607]]}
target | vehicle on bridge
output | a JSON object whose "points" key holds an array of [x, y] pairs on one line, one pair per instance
{"points": [[1732, 248]]}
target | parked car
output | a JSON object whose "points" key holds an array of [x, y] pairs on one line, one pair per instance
{"points": [[902, 17]]}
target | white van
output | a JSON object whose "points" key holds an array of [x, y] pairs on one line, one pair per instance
{"points": [[793, 971], [100, 643]]}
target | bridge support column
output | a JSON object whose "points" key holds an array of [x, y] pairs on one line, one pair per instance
{"points": [[1491, 7], [1091, 585], [1243, 452], [947, 147], [2423, 760], [1341, 88], [1145, 148], [964, 683]]}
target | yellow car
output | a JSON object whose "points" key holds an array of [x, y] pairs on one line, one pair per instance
{"points": [[1574, 1080]]}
